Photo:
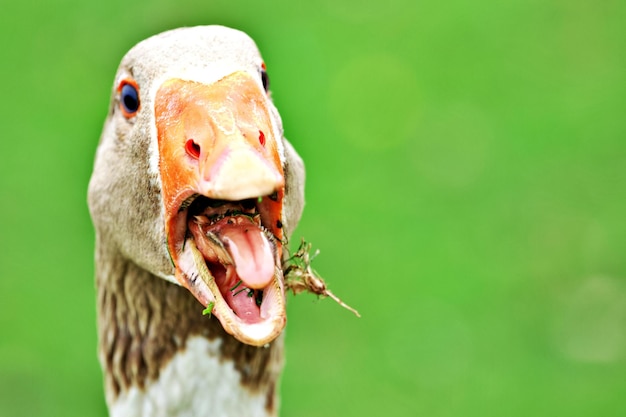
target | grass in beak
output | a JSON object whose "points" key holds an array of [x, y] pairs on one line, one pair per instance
{"points": [[208, 310], [300, 277]]}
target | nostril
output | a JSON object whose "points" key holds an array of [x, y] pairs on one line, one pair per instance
{"points": [[261, 138], [192, 149]]}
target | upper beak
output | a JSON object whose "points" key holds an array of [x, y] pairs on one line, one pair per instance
{"points": [[216, 140]]}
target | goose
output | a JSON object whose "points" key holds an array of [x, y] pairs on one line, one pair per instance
{"points": [[193, 194]]}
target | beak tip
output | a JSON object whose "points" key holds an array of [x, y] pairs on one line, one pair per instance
{"points": [[242, 175]]}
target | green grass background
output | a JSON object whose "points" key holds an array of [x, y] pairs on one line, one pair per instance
{"points": [[466, 185]]}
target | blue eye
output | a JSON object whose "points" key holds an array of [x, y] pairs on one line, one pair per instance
{"points": [[265, 80], [129, 99]]}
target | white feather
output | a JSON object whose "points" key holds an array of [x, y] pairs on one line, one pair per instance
{"points": [[195, 383]]}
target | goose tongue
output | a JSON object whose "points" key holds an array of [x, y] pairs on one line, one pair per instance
{"points": [[250, 250], [239, 244]]}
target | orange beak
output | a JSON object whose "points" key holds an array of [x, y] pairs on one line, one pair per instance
{"points": [[217, 141]]}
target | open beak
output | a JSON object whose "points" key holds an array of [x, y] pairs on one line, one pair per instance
{"points": [[223, 187]]}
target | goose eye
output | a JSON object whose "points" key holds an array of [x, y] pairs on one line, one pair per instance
{"points": [[129, 98], [265, 80]]}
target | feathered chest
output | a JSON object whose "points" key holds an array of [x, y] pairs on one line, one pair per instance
{"points": [[163, 358], [196, 381]]}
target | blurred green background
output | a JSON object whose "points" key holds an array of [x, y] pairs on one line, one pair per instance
{"points": [[466, 185]]}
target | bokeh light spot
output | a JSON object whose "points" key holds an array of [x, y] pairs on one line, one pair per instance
{"points": [[374, 101], [590, 320]]}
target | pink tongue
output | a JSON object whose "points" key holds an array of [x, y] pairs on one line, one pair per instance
{"points": [[252, 253]]}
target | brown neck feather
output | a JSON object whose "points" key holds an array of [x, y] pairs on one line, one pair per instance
{"points": [[143, 321]]}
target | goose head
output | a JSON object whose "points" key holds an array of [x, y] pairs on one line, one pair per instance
{"points": [[193, 180]]}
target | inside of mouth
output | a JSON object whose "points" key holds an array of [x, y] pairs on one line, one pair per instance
{"points": [[238, 251]]}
